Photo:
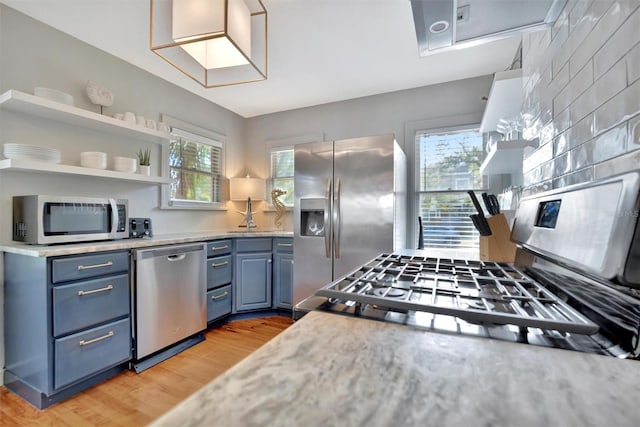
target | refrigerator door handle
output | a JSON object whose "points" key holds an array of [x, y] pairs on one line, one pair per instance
{"points": [[327, 226], [336, 219]]}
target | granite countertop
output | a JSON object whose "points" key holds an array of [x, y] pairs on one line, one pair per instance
{"points": [[329, 370], [110, 245]]}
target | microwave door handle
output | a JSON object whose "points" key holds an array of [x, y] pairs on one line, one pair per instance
{"points": [[114, 216]]}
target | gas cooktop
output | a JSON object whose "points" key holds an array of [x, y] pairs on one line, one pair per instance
{"points": [[475, 291]]}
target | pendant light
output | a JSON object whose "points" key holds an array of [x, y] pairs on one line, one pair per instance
{"points": [[215, 42]]}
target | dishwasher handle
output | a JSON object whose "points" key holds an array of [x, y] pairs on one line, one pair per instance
{"points": [[172, 252]]}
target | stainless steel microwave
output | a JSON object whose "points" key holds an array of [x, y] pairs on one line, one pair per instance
{"points": [[47, 220]]}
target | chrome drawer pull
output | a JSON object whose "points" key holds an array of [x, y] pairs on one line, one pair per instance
{"points": [[89, 267], [95, 291], [220, 264], [288, 245], [222, 295], [219, 248], [104, 337]]}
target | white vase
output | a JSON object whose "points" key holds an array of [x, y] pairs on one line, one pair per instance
{"points": [[144, 170]]}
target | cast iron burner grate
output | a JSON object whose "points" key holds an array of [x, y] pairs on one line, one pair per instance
{"points": [[475, 291]]}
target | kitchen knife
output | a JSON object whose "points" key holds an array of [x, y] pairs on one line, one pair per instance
{"points": [[491, 203], [495, 205], [483, 225]]}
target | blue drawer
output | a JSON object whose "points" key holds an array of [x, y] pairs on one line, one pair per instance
{"points": [[218, 303], [89, 352], [84, 267], [218, 247], [219, 271], [253, 245], [283, 245], [87, 303]]}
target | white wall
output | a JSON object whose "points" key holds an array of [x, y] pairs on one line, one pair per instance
{"points": [[400, 113], [582, 94], [33, 54]]}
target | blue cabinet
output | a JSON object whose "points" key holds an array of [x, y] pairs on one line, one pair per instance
{"points": [[219, 277], [252, 274], [67, 323], [283, 273]]}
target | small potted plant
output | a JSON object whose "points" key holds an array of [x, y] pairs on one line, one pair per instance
{"points": [[144, 159]]}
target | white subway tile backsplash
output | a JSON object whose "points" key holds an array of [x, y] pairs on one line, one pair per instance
{"points": [[634, 134], [561, 164], [621, 164], [612, 82], [633, 64], [578, 84], [610, 144], [623, 106], [582, 131], [577, 11], [541, 155], [592, 90], [602, 31], [627, 36], [562, 121], [561, 143], [582, 156]]}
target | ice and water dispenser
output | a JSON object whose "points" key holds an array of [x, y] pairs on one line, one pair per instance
{"points": [[312, 217]]}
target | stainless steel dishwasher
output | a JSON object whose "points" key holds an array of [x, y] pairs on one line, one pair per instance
{"points": [[170, 301]]}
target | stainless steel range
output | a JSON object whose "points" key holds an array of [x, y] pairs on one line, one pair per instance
{"points": [[574, 284]]}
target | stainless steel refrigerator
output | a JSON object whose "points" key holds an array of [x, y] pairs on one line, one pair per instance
{"points": [[350, 198]]}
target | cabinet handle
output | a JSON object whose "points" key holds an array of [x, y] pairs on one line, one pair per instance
{"points": [[219, 248], [89, 267], [269, 261], [222, 295], [291, 262], [104, 337], [220, 264], [95, 291], [288, 245]]}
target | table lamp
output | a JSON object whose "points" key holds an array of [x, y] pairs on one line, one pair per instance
{"points": [[247, 189]]}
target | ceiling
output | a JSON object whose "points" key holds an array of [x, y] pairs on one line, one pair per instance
{"points": [[320, 51]]}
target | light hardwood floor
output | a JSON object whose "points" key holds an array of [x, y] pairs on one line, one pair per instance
{"points": [[131, 399]]}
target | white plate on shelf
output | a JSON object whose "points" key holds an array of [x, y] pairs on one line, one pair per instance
{"points": [[31, 152], [53, 95]]}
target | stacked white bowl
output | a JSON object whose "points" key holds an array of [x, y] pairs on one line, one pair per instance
{"points": [[125, 164], [93, 159], [31, 152]]}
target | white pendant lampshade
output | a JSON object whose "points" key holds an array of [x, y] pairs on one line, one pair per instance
{"points": [[215, 42]]}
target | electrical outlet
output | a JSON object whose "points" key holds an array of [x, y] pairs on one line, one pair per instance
{"points": [[462, 14]]}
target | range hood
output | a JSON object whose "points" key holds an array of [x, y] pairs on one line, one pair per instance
{"points": [[442, 24]]}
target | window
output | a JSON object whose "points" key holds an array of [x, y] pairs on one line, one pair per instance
{"points": [[282, 173], [195, 170], [449, 165]]}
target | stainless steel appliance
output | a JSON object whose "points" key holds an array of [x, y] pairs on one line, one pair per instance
{"points": [[46, 220], [575, 283], [170, 301], [140, 227], [349, 206]]}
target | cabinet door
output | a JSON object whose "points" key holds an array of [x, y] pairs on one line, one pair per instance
{"points": [[252, 281], [283, 278]]}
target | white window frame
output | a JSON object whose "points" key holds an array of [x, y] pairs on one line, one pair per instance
{"points": [[202, 136], [416, 169], [281, 144], [271, 177]]}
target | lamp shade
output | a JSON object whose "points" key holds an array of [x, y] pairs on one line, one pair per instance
{"points": [[215, 42], [242, 188]]}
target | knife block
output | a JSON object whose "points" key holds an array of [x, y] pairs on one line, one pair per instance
{"points": [[498, 247]]}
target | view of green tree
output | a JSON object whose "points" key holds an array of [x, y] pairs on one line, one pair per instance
{"points": [[449, 166], [195, 171]]}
